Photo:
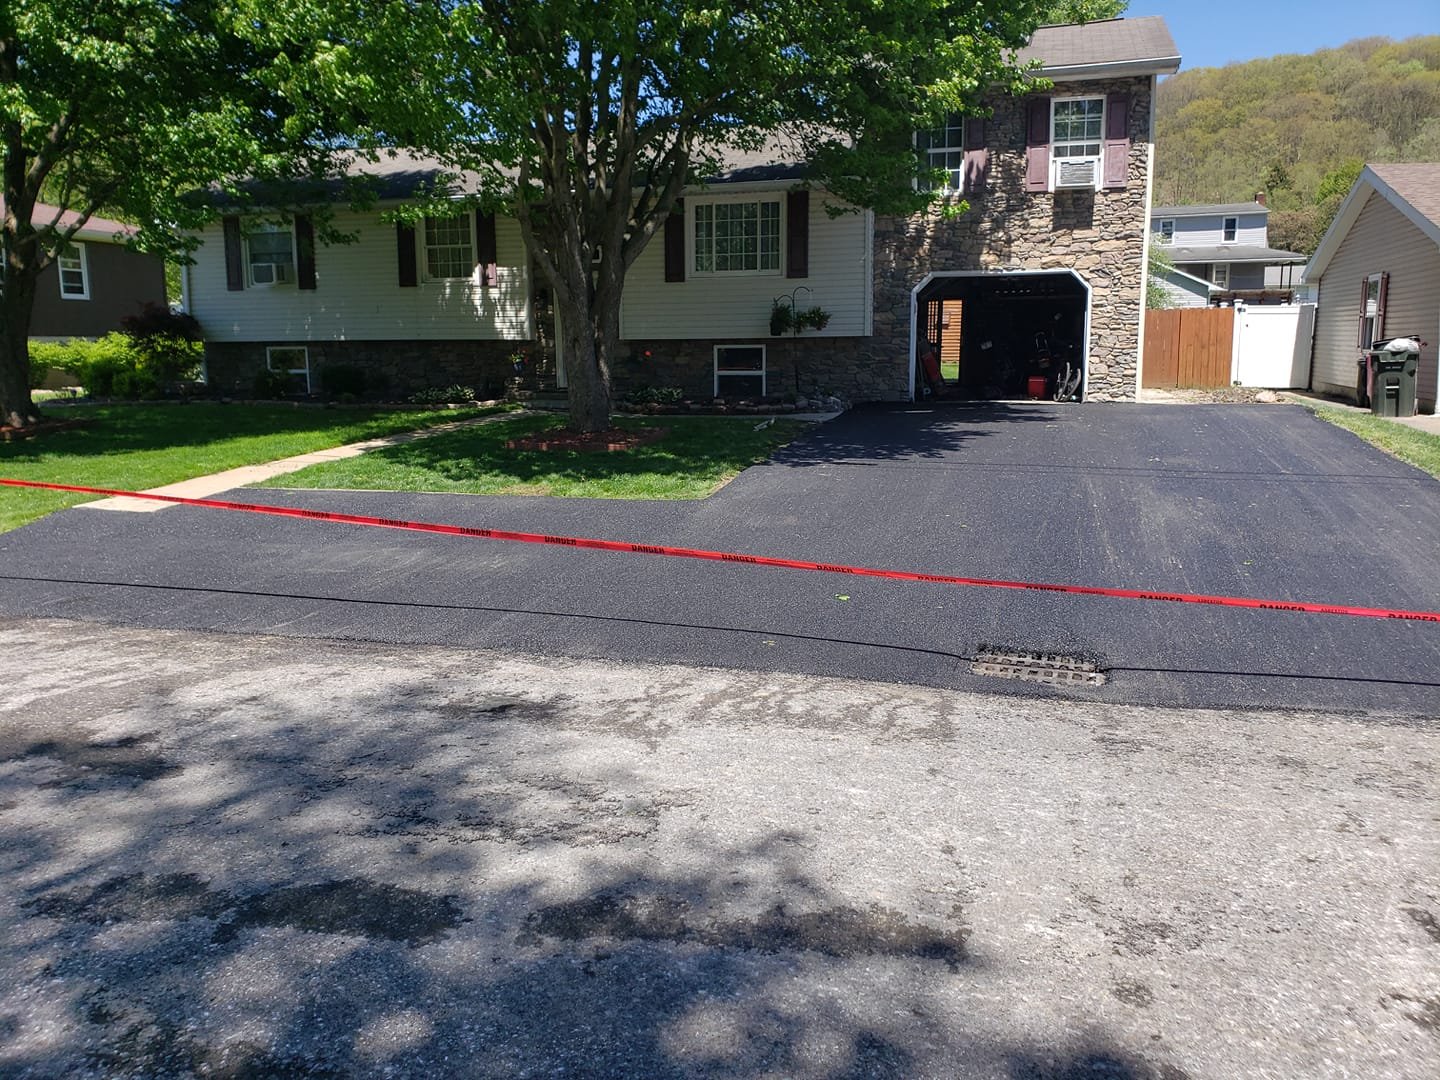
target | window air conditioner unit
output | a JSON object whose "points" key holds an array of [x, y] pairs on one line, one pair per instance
{"points": [[1077, 173]]}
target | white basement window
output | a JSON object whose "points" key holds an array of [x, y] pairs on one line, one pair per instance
{"points": [[1167, 229], [737, 237], [74, 273], [293, 360], [740, 371]]}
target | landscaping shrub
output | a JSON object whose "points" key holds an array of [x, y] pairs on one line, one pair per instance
{"points": [[94, 364], [271, 384], [447, 395], [343, 380], [168, 344], [656, 395]]}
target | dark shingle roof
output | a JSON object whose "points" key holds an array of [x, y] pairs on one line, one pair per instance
{"points": [[1140, 42]]}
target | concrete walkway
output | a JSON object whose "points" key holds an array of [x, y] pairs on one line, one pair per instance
{"points": [[202, 487]]}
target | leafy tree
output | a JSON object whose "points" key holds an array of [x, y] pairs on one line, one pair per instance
{"points": [[127, 105], [588, 120], [1220, 132], [1159, 264], [1079, 11]]}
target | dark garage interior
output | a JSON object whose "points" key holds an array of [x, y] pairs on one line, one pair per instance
{"points": [[1000, 336]]}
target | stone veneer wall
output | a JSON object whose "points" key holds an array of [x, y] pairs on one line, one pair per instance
{"points": [[1099, 234], [846, 366], [392, 369]]}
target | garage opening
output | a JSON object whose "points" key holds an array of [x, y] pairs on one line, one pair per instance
{"points": [[1000, 336]]}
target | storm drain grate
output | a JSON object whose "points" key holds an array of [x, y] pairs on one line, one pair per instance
{"points": [[1052, 668]]}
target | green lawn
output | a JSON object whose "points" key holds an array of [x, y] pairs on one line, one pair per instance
{"points": [[1419, 448], [143, 446], [698, 455]]}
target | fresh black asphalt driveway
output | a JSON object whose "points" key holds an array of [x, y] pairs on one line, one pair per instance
{"points": [[1239, 500]]}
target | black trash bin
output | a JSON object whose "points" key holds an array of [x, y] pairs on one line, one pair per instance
{"points": [[1393, 364]]}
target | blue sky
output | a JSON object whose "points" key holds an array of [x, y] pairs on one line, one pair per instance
{"points": [[1211, 33]]}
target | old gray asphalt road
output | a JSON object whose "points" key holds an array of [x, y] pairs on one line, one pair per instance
{"points": [[251, 856]]}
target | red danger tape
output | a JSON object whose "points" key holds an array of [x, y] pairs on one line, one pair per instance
{"points": [[749, 560]]}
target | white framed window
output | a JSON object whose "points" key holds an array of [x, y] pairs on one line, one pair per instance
{"points": [[449, 248], [74, 273], [739, 371], [1232, 226], [945, 149], [293, 360], [736, 236], [1220, 275], [1077, 127], [1167, 229], [1370, 317], [270, 255]]}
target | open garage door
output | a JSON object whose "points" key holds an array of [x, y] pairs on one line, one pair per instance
{"points": [[981, 335]]}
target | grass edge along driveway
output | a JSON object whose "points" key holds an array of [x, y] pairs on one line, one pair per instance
{"points": [[1418, 448], [696, 456], [135, 447]]}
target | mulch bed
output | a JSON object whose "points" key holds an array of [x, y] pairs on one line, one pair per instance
{"points": [[44, 427], [611, 439]]}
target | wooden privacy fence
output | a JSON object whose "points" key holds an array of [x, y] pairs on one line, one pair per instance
{"points": [[1188, 347]]}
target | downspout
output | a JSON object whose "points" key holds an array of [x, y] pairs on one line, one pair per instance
{"points": [[1145, 242]]}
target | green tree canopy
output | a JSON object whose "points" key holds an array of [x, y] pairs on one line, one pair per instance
{"points": [[131, 105], [588, 120]]}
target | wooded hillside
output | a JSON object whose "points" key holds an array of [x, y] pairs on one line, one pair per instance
{"points": [[1298, 128]]}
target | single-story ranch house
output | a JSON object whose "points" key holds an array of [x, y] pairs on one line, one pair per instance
{"points": [[1378, 271], [1047, 266]]}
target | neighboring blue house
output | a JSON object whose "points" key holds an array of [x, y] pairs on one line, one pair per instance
{"points": [[1226, 245]]}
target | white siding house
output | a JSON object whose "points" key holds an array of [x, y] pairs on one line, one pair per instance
{"points": [[730, 305], [1387, 232], [358, 296]]}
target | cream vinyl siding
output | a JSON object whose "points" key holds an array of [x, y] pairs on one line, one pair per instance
{"points": [[1381, 240], [358, 295], [738, 305]]}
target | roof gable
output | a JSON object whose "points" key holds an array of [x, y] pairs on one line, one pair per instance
{"points": [[1413, 189]]}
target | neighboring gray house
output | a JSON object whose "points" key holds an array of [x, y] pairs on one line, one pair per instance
{"points": [[1378, 272], [95, 282], [1048, 262], [1226, 244]]}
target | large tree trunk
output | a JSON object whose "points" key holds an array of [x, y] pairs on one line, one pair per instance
{"points": [[17, 301], [587, 368]]}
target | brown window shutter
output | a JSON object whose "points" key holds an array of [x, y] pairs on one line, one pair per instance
{"points": [[977, 158], [304, 251], [1380, 307], [234, 256], [1117, 141], [1360, 318], [486, 253], [797, 234], [405, 255], [1037, 145], [675, 243]]}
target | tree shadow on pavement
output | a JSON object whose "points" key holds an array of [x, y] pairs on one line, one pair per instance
{"points": [[910, 432], [427, 878]]}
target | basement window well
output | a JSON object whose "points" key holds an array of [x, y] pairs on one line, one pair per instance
{"points": [[982, 335]]}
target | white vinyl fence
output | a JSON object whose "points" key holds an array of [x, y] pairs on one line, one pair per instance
{"points": [[1272, 345]]}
